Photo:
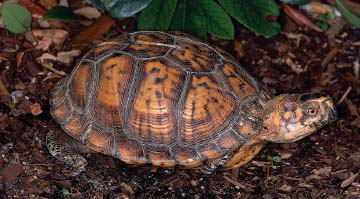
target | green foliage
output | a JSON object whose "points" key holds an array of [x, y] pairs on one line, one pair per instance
{"points": [[65, 192], [16, 18], [152, 19], [275, 159], [196, 17], [296, 2], [324, 19], [121, 8], [189, 17], [60, 13], [347, 13], [217, 20], [253, 15]]}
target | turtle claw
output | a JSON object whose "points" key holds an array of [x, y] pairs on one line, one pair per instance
{"points": [[215, 165]]}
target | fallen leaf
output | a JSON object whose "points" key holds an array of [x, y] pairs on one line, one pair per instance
{"points": [[300, 18], [286, 188], [127, 188], [305, 185], [312, 176], [316, 8], [68, 56], [3, 90], [295, 67], [37, 12], [94, 32], [239, 49], [10, 172], [349, 180], [56, 36], [322, 171], [35, 109], [88, 12], [50, 67], [48, 4], [44, 57]]}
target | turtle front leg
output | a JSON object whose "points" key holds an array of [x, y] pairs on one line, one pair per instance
{"points": [[215, 165], [66, 149]]}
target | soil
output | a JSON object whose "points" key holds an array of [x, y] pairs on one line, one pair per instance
{"points": [[323, 165]]}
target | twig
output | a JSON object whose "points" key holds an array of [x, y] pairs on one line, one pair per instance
{"points": [[356, 68], [344, 95], [240, 185], [329, 57]]}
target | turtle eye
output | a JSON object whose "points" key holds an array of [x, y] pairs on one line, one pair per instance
{"points": [[311, 111]]}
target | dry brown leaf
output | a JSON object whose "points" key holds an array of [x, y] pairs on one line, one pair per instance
{"points": [[3, 90], [239, 49], [299, 18], [295, 67], [50, 36], [317, 8], [352, 108], [88, 12], [94, 32], [349, 180], [45, 56], [35, 109], [10, 172], [50, 67], [68, 56], [305, 185], [48, 4], [312, 176], [286, 188], [322, 171], [356, 122]]}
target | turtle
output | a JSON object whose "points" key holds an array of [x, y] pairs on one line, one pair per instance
{"points": [[170, 100]]}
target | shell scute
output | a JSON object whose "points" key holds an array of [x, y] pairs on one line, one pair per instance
{"points": [[238, 81], [194, 57], [208, 106], [110, 93], [149, 44], [153, 116]]}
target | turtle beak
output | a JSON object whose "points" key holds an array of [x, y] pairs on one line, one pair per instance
{"points": [[330, 109], [332, 115]]}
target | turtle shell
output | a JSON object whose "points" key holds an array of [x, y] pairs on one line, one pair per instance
{"points": [[159, 98]]}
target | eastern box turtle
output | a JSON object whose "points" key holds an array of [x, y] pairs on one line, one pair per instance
{"points": [[172, 100]]}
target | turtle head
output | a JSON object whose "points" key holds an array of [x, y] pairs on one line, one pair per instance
{"points": [[288, 118]]}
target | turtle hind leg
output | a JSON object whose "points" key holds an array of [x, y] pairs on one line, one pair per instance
{"points": [[66, 149], [215, 165]]}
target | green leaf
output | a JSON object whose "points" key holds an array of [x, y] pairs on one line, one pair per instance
{"points": [[189, 17], [217, 20], [276, 159], [157, 15], [347, 13], [296, 2], [60, 13], [98, 4], [16, 18], [253, 14], [121, 8], [65, 192], [323, 25]]}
